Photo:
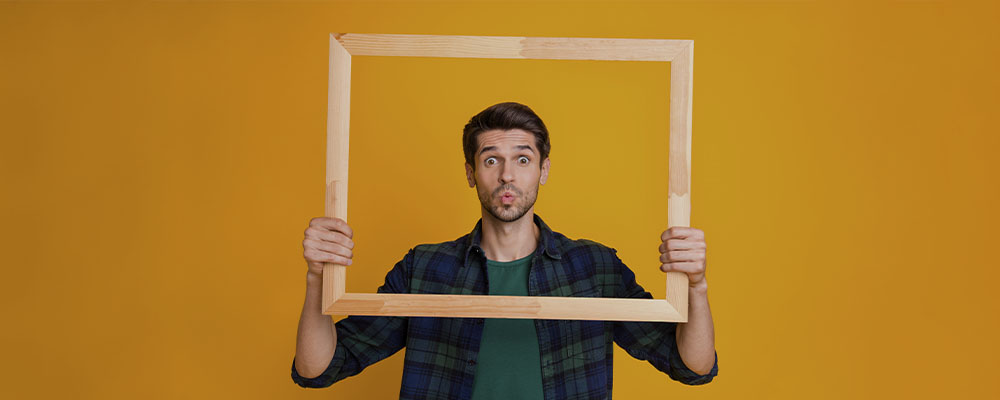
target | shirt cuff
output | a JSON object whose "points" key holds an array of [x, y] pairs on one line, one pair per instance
{"points": [[681, 373], [323, 380]]}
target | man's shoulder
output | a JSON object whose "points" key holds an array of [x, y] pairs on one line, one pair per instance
{"points": [[581, 248], [451, 247], [568, 244], [592, 262]]}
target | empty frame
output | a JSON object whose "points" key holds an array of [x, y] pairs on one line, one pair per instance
{"points": [[679, 53]]}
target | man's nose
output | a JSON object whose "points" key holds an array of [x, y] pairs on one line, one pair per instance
{"points": [[506, 173]]}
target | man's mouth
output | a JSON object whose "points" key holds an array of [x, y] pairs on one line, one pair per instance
{"points": [[507, 198]]}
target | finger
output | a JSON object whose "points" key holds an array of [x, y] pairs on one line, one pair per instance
{"points": [[681, 244], [682, 232], [682, 255], [328, 247], [325, 222], [685, 267], [322, 256], [329, 236], [333, 224]]}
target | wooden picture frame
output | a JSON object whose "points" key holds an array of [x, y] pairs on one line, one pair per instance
{"points": [[679, 53]]}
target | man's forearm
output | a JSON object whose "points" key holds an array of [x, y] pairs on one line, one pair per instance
{"points": [[317, 338], [696, 338]]}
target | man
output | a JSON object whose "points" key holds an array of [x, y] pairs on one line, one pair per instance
{"points": [[511, 251]]}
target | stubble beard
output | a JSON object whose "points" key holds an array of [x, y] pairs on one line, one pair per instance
{"points": [[493, 203]]}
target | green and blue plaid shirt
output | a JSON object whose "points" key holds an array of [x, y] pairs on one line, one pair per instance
{"points": [[441, 353]]}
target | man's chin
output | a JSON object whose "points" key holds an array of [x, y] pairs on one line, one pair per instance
{"points": [[508, 215]]}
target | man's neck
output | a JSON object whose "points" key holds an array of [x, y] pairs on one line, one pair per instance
{"points": [[509, 241]]}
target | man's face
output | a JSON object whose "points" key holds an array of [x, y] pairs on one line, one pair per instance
{"points": [[507, 173]]}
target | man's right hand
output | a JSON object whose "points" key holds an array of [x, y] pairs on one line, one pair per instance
{"points": [[327, 240]]}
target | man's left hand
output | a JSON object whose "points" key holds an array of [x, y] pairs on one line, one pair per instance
{"points": [[683, 250]]}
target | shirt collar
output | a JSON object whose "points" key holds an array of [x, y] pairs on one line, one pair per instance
{"points": [[546, 240]]}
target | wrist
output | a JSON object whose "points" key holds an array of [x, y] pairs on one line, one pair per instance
{"points": [[698, 289], [314, 278]]}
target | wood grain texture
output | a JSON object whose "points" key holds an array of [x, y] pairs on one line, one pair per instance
{"points": [[680, 53], [337, 152], [335, 276], [363, 44], [529, 307], [679, 186]]}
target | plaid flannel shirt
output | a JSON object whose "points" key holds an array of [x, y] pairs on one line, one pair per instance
{"points": [[441, 353]]}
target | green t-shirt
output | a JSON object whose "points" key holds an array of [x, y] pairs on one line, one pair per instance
{"points": [[509, 364]]}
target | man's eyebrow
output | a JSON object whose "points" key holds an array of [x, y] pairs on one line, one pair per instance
{"points": [[518, 147]]}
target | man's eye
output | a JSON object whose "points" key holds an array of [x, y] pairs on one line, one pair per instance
{"points": [[490, 161], [524, 160]]}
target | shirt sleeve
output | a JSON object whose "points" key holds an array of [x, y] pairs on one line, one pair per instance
{"points": [[365, 340], [655, 342]]}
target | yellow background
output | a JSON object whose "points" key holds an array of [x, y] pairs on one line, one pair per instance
{"points": [[161, 160]]}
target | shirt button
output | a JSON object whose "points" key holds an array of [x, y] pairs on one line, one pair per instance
{"points": [[472, 362]]}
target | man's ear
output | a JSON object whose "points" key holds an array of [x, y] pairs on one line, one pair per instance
{"points": [[470, 175], [545, 171]]}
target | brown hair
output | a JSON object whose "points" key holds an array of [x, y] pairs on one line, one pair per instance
{"points": [[505, 116]]}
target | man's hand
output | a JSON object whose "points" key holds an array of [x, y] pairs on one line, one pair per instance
{"points": [[327, 240], [683, 250]]}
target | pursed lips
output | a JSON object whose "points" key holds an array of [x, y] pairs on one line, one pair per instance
{"points": [[507, 196], [508, 193]]}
